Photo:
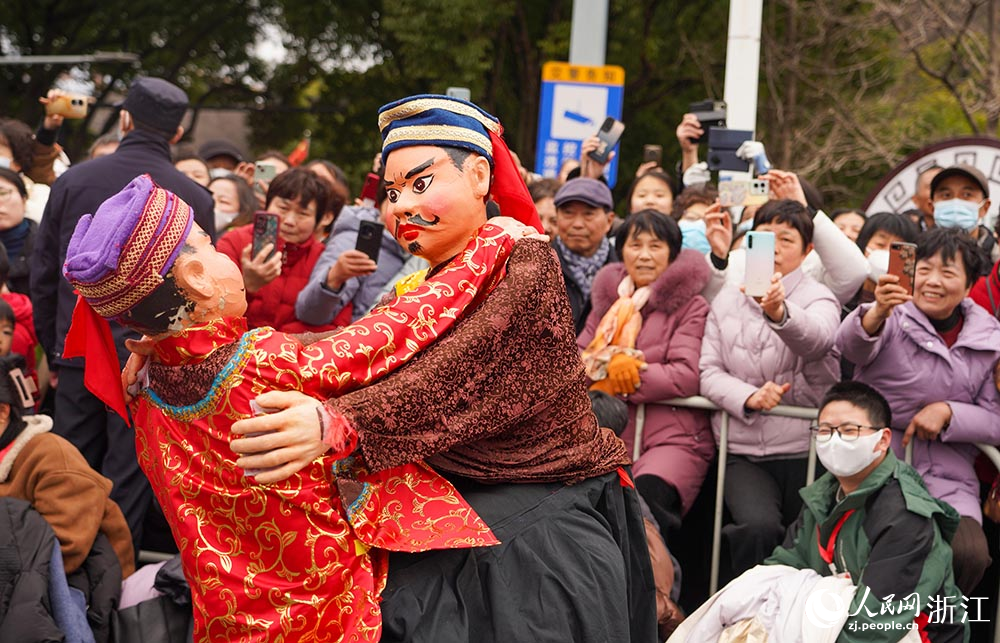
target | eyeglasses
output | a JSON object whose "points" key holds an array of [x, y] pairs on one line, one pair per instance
{"points": [[849, 431]]}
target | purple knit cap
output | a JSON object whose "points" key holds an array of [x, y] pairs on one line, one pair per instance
{"points": [[119, 255]]}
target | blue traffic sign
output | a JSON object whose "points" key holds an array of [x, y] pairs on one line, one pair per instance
{"points": [[575, 101]]}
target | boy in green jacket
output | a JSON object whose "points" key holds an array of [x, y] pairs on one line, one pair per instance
{"points": [[870, 517]]}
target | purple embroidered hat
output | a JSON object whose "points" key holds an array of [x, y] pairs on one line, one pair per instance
{"points": [[119, 255]]}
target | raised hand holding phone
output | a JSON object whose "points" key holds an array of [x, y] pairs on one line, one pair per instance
{"points": [[888, 294], [759, 263]]}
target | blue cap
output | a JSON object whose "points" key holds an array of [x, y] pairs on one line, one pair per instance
{"points": [[432, 119]]}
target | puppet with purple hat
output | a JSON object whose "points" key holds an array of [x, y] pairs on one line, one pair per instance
{"points": [[300, 560]]}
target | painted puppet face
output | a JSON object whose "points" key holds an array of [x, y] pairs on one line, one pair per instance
{"points": [[433, 206]]}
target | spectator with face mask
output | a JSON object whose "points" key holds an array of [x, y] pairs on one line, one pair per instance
{"points": [[932, 355], [960, 197]]}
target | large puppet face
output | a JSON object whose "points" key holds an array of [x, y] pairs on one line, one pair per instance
{"points": [[211, 282], [433, 206]]}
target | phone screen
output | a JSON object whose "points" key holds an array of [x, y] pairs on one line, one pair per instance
{"points": [[369, 239], [265, 231], [760, 263]]}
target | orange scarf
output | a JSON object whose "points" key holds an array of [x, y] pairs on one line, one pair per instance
{"points": [[617, 331]]}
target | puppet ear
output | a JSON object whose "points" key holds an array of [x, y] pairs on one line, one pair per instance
{"points": [[192, 279], [477, 170]]}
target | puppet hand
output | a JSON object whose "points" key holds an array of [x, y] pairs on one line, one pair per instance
{"points": [[517, 230], [134, 373], [281, 443]]}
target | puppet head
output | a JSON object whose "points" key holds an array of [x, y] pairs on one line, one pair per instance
{"points": [[143, 262], [444, 159]]}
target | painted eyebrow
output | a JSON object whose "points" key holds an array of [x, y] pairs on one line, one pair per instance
{"points": [[420, 168], [417, 170]]}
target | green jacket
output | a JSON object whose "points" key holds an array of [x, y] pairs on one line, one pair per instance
{"points": [[894, 545]]}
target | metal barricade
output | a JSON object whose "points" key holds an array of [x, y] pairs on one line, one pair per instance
{"points": [[801, 412]]}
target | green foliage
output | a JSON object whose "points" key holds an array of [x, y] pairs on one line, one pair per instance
{"points": [[841, 98]]}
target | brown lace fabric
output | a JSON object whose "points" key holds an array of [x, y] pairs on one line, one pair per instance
{"points": [[189, 383], [501, 397]]}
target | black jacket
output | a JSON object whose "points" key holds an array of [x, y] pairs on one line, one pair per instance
{"points": [[80, 191], [26, 544], [578, 301], [20, 266]]}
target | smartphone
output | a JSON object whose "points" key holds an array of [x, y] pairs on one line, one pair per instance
{"points": [[760, 263], [369, 193], [68, 106], [265, 231], [610, 133], [710, 113], [263, 172], [722, 146], [370, 239], [462, 93], [652, 153], [903, 263]]}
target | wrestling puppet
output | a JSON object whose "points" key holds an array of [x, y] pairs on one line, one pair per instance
{"points": [[498, 406], [303, 559]]}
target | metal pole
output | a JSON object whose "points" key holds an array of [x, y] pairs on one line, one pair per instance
{"points": [[588, 37], [640, 425], [743, 63], [713, 584]]}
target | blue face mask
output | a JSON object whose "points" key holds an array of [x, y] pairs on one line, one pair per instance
{"points": [[957, 213], [693, 236]]}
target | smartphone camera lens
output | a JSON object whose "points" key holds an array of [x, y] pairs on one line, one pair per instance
{"points": [[749, 242]]}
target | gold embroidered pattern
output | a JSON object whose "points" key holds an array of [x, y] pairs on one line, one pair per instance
{"points": [[438, 133], [419, 105]]}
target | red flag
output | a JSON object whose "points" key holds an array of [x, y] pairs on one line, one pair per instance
{"points": [[300, 153], [89, 336]]}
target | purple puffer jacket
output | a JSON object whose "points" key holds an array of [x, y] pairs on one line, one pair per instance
{"points": [[676, 443], [743, 350], [910, 365]]}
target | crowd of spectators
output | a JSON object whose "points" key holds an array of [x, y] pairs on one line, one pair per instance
{"points": [[656, 292]]}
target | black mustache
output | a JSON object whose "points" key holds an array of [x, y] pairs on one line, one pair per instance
{"points": [[416, 219]]}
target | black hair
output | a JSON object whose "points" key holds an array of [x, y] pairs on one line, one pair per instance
{"points": [[301, 185], [278, 156], [656, 173], [543, 188], [9, 395], [842, 211], [4, 265], [789, 212], [611, 412], [705, 193], [103, 139], [187, 155], [862, 396], [340, 191], [244, 194], [952, 243], [7, 313], [21, 141], [654, 222], [814, 198], [13, 177], [898, 225], [155, 312]]}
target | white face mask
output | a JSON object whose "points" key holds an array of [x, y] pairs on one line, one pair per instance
{"points": [[844, 459], [223, 219], [5, 162]]}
